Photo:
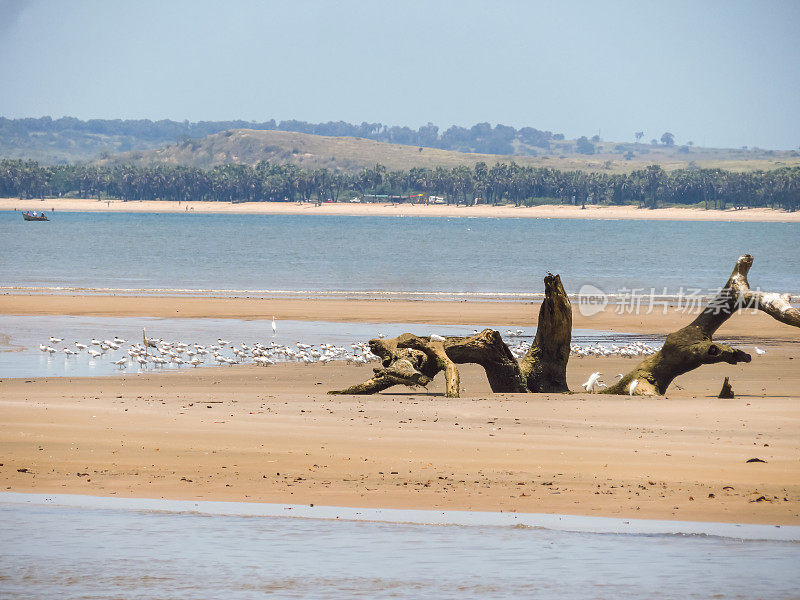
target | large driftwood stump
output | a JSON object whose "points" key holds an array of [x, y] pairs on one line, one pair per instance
{"points": [[545, 365], [692, 346], [414, 360]]}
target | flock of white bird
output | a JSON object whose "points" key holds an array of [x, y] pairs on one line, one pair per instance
{"points": [[631, 350], [159, 353]]}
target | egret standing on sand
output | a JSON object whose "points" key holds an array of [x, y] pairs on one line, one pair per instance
{"points": [[592, 382], [274, 326]]}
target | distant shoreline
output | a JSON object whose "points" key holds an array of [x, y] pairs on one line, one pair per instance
{"points": [[403, 210]]}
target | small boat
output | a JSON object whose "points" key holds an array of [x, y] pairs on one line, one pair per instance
{"points": [[34, 216]]}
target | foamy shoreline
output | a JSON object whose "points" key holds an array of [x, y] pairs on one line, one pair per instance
{"points": [[400, 210], [465, 518]]}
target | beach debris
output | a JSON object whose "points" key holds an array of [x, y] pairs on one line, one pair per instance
{"points": [[755, 460], [727, 390], [692, 346], [414, 360]]}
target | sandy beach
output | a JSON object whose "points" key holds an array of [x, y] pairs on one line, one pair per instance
{"points": [[401, 210], [273, 435]]}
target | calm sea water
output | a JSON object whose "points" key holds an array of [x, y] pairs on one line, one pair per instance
{"points": [[86, 552], [330, 253]]}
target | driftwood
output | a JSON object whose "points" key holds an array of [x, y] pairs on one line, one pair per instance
{"points": [[414, 360], [692, 346], [727, 390], [545, 365]]}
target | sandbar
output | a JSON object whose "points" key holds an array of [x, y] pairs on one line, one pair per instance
{"points": [[402, 210], [251, 434]]}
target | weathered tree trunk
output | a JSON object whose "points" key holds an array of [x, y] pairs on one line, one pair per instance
{"points": [[544, 367], [435, 352], [692, 346], [488, 349], [414, 360], [405, 366]]}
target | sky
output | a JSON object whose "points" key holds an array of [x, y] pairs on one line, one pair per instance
{"points": [[722, 73]]}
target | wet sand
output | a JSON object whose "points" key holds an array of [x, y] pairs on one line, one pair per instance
{"points": [[474, 313], [407, 210], [272, 434]]}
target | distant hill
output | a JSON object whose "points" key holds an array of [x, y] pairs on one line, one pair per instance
{"points": [[245, 146], [346, 146]]}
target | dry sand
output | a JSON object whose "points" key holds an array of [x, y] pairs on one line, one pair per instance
{"points": [[406, 210], [272, 435]]}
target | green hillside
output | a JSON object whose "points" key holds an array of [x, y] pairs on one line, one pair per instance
{"points": [[246, 146]]}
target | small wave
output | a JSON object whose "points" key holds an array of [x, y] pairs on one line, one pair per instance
{"points": [[613, 297]]}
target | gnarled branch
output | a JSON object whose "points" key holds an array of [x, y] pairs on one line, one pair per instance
{"points": [[542, 370], [692, 346]]}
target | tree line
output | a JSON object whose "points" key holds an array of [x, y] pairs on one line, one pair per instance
{"points": [[650, 187], [480, 138]]}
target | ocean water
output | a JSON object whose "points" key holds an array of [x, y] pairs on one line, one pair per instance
{"points": [[53, 551], [323, 254]]}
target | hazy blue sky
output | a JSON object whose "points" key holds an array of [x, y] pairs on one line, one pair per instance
{"points": [[719, 73]]}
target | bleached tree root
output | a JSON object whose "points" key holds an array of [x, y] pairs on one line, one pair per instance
{"points": [[689, 348]]}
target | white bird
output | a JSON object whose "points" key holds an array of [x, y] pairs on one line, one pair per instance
{"points": [[94, 353], [436, 338], [42, 347], [121, 362], [80, 346], [593, 380], [274, 326], [759, 351], [56, 340], [632, 387]]}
